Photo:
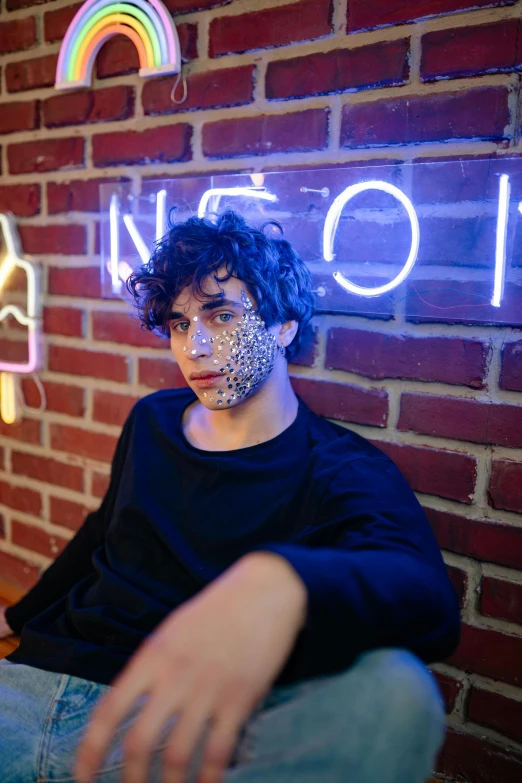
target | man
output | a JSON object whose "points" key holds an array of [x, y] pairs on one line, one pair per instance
{"points": [[258, 594]]}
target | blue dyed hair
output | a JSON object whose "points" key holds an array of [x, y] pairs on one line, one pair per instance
{"points": [[273, 273]]}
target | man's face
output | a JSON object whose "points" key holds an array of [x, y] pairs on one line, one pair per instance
{"points": [[222, 346]]}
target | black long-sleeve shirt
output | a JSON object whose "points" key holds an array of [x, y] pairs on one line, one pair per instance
{"points": [[175, 517]]}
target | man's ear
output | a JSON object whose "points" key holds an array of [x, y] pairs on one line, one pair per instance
{"points": [[288, 332]]}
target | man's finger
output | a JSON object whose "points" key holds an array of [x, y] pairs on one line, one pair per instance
{"points": [[219, 747], [184, 739], [165, 703], [108, 714]]}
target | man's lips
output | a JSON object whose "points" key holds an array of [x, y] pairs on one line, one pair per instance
{"points": [[206, 381]]}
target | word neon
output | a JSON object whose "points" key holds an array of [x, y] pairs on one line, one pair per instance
{"points": [[209, 203]]}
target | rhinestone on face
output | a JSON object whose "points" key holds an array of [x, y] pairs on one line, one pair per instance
{"points": [[220, 402], [193, 352], [216, 361], [195, 318], [212, 399]]}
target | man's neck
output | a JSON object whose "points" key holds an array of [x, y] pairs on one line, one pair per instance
{"points": [[261, 417]]}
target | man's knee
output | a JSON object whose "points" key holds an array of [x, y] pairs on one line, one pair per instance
{"points": [[396, 687]]}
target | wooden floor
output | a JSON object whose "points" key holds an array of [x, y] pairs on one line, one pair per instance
{"points": [[8, 595]]}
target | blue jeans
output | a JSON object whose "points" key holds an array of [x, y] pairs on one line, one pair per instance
{"points": [[379, 721]]}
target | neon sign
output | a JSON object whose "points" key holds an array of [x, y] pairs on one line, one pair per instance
{"points": [[395, 232], [147, 23], [11, 259]]}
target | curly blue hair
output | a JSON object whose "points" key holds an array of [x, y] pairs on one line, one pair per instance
{"points": [[191, 251]]}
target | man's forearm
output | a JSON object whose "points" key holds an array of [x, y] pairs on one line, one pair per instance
{"points": [[274, 571]]}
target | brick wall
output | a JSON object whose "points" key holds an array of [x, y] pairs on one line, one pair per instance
{"points": [[295, 84]]}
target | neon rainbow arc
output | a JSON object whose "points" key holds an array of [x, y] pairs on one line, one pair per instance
{"points": [[146, 22]]}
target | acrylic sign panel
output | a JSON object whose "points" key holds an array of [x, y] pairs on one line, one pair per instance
{"points": [[421, 241]]}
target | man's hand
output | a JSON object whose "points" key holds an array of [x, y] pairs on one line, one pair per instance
{"points": [[212, 659], [5, 630]]}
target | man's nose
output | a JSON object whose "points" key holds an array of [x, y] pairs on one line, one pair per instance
{"points": [[199, 341]]}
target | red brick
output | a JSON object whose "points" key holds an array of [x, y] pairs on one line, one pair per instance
{"points": [[511, 375], [68, 513], [447, 474], [93, 364], [14, 350], [469, 51], [186, 6], [119, 56], [365, 14], [36, 539], [31, 74], [77, 196], [377, 65], [206, 90], [459, 580], [75, 281], [344, 402], [496, 711], [48, 470], [482, 113], [13, 5], [377, 355], [20, 498], [17, 572], [19, 116], [167, 144], [27, 431], [467, 758], [491, 653], [124, 329], [270, 27], [67, 321], [88, 106], [500, 598], [59, 397], [84, 443], [504, 486], [57, 22], [45, 155], [112, 408], [100, 484], [264, 134], [21, 200], [160, 374], [17, 34], [54, 240], [461, 419], [450, 689], [484, 540]]}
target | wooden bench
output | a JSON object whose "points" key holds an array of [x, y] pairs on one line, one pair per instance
{"points": [[9, 595]]}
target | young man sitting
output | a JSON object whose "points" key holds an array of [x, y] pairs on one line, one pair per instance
{"points": [[257, 597]]}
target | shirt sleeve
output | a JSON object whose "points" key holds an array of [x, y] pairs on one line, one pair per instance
{"points": [[75, 561], [380, 582]]}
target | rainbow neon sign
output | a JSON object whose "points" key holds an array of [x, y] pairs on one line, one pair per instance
{"points": [[146, 22]]}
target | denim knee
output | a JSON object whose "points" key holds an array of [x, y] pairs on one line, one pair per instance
{"points": [[403, 690]]}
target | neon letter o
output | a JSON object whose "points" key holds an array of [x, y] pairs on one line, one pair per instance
{"points": [[330, 229]]}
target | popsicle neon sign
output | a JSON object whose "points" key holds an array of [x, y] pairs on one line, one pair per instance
{"points": [[209, 203], [10, 259]]}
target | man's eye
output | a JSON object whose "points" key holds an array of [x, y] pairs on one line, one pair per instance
{"points": [[176, 328], [228, 316]]}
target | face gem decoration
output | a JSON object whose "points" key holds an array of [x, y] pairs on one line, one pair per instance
{"points": [[252, 350]]}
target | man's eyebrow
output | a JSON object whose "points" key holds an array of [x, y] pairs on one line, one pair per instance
{"points": [[212, 304]]}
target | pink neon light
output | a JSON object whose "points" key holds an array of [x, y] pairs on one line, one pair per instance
{"points": [[32, 360], [82, 12]]}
